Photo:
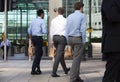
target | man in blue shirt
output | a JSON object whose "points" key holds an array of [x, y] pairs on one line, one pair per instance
{"points": [[76, 32], [35, 31], [8, 45]]}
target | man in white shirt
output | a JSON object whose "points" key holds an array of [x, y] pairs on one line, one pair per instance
{"points": [[58, 37]]}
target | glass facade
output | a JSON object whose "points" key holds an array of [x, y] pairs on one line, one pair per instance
{"points": [[19, 19], [95, 16], [69, 6]]}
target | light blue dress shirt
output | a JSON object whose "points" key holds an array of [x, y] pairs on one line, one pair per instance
{"points": [[37, 27], [76, 25], [8, 43]]}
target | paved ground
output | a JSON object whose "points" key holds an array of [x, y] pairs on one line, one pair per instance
{"points": [[19, 71]]}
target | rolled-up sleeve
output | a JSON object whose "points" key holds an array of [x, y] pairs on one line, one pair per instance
{"points": [[83, 28], [44, 28], [30, 29]]}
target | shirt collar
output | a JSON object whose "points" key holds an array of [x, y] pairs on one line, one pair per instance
{"points": [[77, 11], [60, 15], [39, 17]]}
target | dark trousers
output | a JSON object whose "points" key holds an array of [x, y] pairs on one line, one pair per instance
{"points": [[7, 48], [59, 43], [112, 72], [38, 43]]}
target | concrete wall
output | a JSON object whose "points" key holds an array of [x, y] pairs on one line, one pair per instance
{"points": [[96, 49], [53, 6]]}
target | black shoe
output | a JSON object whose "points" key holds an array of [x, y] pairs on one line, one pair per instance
{"points": [[78, 80], [68, 69], [81, 80], [39, 71], [35, 73], [55, 75]]}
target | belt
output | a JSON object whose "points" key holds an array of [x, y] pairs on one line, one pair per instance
{"points": [[59, 35], [76, 36], [36, 36]]}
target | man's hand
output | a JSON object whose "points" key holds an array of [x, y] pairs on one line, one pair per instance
{"points": [[30, 36]]}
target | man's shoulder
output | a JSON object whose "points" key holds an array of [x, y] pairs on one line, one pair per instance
{"points": [[71, 15], [38, 20], [83, 15], [55, 19]]}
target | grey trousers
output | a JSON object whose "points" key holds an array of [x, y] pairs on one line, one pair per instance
{"points": [[59, 43], [77, 47]]}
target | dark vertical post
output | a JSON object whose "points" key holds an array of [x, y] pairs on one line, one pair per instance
{"points": [[26, 45], [16, 24], [20, 23], [90, 28], [27, 18]]}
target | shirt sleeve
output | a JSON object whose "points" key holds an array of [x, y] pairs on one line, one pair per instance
{"points": [[30, 29], [9, 43], [51, 31], [83, 28], [2, 44], [44, 29], [67, 27]]}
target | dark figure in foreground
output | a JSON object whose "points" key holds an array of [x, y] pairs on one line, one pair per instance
{"points": [[8, 45], [111, 39]]}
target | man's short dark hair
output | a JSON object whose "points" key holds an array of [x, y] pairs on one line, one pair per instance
{"points": [[78, 5], [60, 10], [39, 12]]}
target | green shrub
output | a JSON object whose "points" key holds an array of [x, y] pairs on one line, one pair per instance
{"points": [[96, 39]]}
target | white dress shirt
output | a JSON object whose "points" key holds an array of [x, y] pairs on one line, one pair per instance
{"points": [[58, 26]]}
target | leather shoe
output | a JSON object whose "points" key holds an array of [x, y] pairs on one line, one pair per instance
{"points": [[35, 73], [68, 69], [39, 71], [78, 80], [55, 75]]}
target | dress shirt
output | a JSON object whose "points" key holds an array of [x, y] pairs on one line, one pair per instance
{"points": [[8, 43], [58, 26], [76, 25], [37, 27]]}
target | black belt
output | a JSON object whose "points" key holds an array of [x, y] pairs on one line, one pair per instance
{"points": [[36, 36], [76, 36], [60, 35]]}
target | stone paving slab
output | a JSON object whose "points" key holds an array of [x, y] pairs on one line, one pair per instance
{"points": [[19, 71]]}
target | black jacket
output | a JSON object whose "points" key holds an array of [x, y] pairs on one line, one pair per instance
{"points": [[111, 26]]}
